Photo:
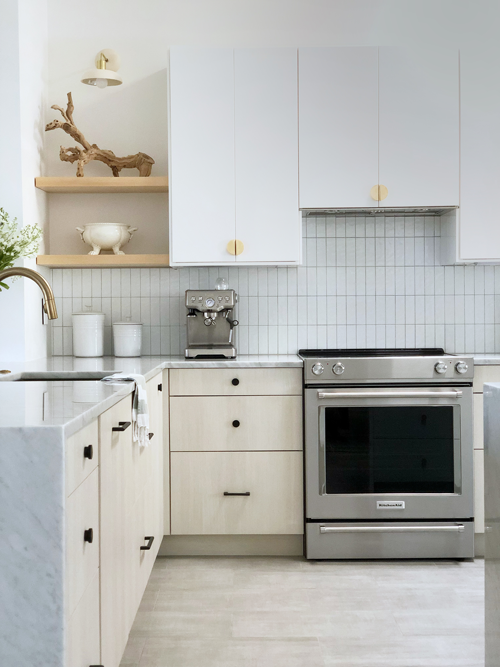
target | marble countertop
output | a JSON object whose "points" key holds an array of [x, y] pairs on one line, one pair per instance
{"points": [[486, 359], [72, 405]]}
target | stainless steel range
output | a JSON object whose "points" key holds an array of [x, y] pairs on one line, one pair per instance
{"points": [[388, 454]]}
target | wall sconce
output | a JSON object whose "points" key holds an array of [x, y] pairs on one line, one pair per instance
{"points": [[107, 63]]}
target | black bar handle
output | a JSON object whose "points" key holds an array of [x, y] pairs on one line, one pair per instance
{"points": [[227, 493], [236, 423], [123, 426], [160, 387], [88, 452], [88, 535], [151, 435], [148, 546], [235, 381]]}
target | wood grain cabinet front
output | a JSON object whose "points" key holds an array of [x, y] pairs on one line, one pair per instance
{"points": [[81, 456], [236, 382], [237, 493], [235, 423], [83, 643]]}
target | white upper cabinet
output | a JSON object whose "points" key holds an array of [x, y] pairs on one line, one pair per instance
{"points": [[234, 157], [338, 126], [201, 167], [419, 126], [378, 116], [266, 155], [479, 238]]}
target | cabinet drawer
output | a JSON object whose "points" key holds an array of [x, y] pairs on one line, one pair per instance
{"points": [[478, 441], [82, 456], [236, 382], [200, 479], [82, 557], [234, 423], [83, 632]]}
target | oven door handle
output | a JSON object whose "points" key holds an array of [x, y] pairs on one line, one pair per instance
{"points": [[391, 394], [392, 529]]}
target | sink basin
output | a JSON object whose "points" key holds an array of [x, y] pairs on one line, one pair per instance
{"points": [[54, 376]]}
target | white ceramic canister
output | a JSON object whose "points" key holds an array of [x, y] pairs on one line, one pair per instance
{"points": [[88, 334], [127, 339]]}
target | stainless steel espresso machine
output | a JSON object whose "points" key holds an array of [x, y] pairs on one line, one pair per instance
{"points": [[210, 326]]}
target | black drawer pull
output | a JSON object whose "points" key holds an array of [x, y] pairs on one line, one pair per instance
{"points": [[123, 426], [151, 435], [149, 544], [236, 423], [235, 381], [227, 493], [160, 387], [88, 535], [88, 452]]}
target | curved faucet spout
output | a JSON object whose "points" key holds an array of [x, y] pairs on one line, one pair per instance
{"points": [[49, 305]]}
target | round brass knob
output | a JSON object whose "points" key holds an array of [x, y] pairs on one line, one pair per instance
{"points": [[235, 247], [379, 192]]}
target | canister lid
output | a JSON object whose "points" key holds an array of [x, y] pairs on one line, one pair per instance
{"points": [[88, 314], [122, 324]]}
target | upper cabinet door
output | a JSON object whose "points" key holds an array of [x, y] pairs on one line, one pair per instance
{"points": [[419, 126], [266, 155], [480, 150], [338, 126], [202, 219]]}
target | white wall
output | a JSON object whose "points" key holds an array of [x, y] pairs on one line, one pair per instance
{"points": [[23, 40]]}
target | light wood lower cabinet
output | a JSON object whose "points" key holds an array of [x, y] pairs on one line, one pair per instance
{"points": [[236, 382], [235, 423], [200, 480], [83, 645]]}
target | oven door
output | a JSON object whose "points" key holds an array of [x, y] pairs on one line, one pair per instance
{"points": [[389, 453]]}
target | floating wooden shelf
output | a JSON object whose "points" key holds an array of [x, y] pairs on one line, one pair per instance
{"points": [[102, 184], [102, 261]]}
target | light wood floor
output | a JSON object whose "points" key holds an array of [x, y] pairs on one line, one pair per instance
{"points": [[287, 612]]}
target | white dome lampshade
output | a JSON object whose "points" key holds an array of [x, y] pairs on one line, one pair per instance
{"points": [[105, 72]]}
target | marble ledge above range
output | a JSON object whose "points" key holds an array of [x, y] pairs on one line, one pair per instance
{"points": [[72, 405]]}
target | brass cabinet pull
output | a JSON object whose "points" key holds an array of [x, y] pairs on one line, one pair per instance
{"points": [[379, 192], [235, 247]]}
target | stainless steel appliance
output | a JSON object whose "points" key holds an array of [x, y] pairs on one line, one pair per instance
{"points": [[210, 325], [388, 454]]}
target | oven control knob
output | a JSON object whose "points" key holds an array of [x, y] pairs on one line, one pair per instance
{"points": [[317, 369], [338, 369], [440, 367], [461, 367]]}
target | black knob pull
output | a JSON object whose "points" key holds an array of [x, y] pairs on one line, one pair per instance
{"points": [[160, 387], [151, 435], [88, 452], [123, 426], [88, 535], [235, 381], [236, 423], [148, 546], [228, 493]]}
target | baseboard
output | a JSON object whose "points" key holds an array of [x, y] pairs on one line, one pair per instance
{"points": [[232, 545], [479, 545]]}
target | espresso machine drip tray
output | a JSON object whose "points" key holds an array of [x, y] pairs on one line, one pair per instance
{"points": [[210, 324]]}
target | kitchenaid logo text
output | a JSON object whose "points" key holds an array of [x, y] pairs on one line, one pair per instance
{"points": [[390, 504]]}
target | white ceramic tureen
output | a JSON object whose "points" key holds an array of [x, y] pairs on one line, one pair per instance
{"points": [[106, 236]]}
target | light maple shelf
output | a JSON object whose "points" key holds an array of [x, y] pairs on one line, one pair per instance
{"points": [[101, 184], [102, 261]]}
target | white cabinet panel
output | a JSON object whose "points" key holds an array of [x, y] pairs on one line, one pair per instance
{"points": [[235, 382], [480, 150], [338, 126], [202, 204], [266, 155], [419, 126]]}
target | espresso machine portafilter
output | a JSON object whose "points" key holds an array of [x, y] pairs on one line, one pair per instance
{"points": [[210, 326]]}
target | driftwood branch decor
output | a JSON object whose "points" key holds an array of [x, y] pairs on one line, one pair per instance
{"points": [[90, 152]]}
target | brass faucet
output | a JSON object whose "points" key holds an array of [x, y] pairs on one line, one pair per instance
{"points": [[49, 305]]}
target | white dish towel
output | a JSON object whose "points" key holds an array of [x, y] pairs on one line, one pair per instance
{"points": [[140, 414]]}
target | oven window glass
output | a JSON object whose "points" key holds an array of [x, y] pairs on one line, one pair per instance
{"points": [[389, 450]]}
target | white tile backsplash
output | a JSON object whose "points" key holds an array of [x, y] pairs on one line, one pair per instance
{"points": [[365, 282]]}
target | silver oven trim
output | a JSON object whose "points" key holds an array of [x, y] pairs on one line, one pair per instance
{"points": [[459, 528], [390, 394]]}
